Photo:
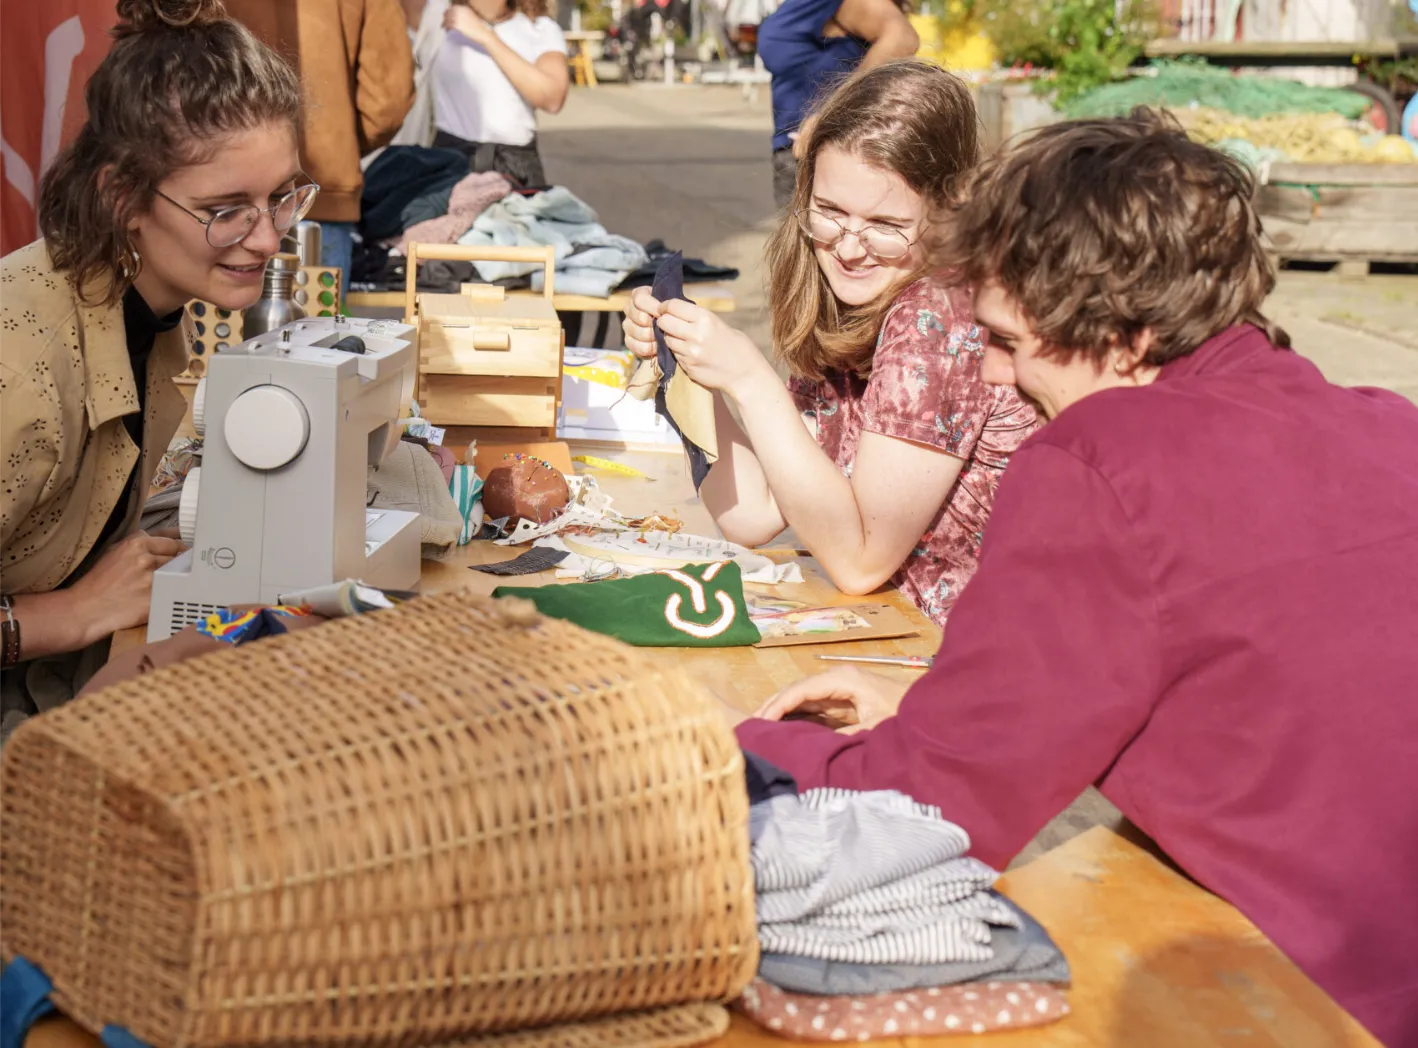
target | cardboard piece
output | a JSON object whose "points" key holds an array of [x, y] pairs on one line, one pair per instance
{"points": [[883, 622], [690, 403]]}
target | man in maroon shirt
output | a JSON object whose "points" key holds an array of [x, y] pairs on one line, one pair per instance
{"points": [[1199, 585]]}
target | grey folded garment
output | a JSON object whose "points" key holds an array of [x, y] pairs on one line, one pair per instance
{"points": [[410, 479], [1023, 954], [871, 878], [161, 510]]}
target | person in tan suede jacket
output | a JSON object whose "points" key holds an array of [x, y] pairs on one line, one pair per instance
{"points": [[357, 68], [178, 186]]}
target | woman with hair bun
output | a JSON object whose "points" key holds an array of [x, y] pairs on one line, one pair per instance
{"points": [[178, 186]]}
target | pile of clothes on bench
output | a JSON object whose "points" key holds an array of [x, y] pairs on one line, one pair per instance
{"points": [[414, 194]]}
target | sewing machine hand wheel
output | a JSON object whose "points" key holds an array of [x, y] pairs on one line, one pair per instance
{"points": [[266, 427]]}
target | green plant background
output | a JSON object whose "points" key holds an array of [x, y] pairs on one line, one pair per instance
{"points": [[1085, 42]]}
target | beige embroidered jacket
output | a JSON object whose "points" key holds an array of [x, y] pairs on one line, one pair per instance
{"points": [[65, 385]]}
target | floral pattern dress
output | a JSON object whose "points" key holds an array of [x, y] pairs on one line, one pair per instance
{"points": [[925, 387]]}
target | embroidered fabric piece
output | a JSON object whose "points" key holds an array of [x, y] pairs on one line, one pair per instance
{"points": [[239, 627], [697, 606]]}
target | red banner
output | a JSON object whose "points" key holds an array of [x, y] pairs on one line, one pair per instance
{"points": [[48, 50]]}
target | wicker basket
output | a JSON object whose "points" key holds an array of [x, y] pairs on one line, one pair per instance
{"points": [[421, 826]]}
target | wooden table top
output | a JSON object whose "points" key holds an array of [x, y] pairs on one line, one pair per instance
{"points": [[743, 677], [1157, 963], [717, 298]]}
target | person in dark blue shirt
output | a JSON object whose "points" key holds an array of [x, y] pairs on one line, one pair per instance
{"points": [[810, 46]]}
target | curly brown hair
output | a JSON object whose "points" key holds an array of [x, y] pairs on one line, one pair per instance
{"points": [[1101, 230], [180, 75], [908, 117]]}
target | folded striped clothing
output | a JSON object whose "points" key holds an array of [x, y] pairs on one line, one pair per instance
{"points": [[872, 878], [1025, 954]]}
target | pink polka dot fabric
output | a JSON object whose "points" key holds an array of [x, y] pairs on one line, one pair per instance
{"points": [[968, 1008]]}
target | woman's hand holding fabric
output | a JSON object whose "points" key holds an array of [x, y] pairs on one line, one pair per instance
{"points": [[711, 352], [638, 326]]}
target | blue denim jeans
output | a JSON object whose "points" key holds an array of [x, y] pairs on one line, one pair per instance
{"points": [[337, 246]]}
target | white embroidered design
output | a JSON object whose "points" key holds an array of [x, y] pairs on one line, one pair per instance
{"points": [[689, 582], [727, 611]]}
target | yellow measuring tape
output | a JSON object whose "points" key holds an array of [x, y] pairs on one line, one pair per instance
{"points": [[609, 466]]}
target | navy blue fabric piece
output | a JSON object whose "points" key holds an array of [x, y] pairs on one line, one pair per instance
{"points": [[430, 205], [669, 283], [765, 780], [268, 624], [24, 1000], [696, 270], [1024, 954], [118, 1037], [400, 175]]}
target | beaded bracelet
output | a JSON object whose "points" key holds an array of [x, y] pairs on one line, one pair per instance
{"points": [[9, 635]]}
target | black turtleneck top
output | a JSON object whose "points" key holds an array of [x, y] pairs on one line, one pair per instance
{"points": [[142, 328]]}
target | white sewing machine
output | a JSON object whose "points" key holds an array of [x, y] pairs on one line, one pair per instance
{"points": [[292, 420]]}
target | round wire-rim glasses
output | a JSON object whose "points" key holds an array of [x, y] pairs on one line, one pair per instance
{"points": [[232, 225], [881, 242]]}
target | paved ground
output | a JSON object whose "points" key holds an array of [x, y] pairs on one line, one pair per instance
{"points": [[690, 165], [686, 165]]}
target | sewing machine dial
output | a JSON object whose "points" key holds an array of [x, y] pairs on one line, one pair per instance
{"points": [[187, 508], [199, 409], [266, 427]]}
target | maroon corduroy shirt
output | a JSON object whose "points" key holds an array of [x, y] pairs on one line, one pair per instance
{"points": [[1201, 595]]}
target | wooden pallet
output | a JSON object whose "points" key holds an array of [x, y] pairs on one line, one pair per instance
{"points": [[1349, 214], [1344, 266]]}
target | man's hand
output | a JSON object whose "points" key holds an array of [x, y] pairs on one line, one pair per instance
{"points": [[843, 698]]}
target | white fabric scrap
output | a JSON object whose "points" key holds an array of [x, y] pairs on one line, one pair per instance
{"points": [[591, 508]]}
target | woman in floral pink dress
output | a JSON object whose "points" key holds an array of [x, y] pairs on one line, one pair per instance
{"points": [[895, 473]]}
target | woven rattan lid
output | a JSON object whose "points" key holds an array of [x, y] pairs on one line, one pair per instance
{"points": [[677, 1026], [432, 825]]}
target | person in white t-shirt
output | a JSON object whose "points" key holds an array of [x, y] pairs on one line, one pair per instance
{"points": [[501, 61]]}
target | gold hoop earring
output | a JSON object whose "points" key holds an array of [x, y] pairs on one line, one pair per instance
{"points": [[128, 263]]}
